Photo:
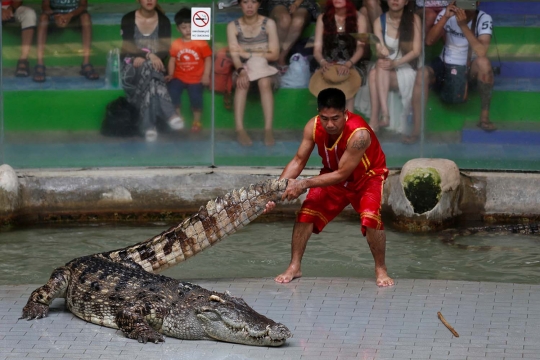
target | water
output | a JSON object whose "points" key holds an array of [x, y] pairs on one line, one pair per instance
{"points": [[29, 255]]}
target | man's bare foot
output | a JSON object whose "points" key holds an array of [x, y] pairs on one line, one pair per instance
{"points": [[383, 280], [288, 275]]}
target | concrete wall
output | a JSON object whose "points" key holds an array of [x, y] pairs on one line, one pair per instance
{"points": [[140, 193]]}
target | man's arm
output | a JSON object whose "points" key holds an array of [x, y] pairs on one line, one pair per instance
{"points": [[438, 29], [480, 44], [356, 148], [83, 6]]}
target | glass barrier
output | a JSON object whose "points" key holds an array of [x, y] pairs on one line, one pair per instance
{"points": [[124, 110]]}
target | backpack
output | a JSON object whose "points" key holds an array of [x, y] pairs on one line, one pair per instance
{"points": [[120, 119], [223, 73]]}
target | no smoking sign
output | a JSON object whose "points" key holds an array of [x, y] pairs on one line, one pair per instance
{"points": [[200, 23]]}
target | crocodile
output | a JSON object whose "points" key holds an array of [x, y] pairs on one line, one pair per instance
{"points": [[120, 289], [449, 235]]}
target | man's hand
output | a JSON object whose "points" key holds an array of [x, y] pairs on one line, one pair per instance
{"points": [[450, 10], [461, 18], [295, 188], [269, 207], [7, 13]]}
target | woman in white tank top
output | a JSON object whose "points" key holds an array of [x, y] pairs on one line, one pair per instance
{"points": [[398, 53]]}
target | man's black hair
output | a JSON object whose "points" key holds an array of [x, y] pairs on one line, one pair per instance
{"points": [[183, 16], [331, 98]]}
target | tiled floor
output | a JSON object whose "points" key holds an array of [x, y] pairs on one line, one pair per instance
{"points": [[331, 318]]}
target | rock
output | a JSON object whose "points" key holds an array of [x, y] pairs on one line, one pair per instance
{"points": [[9, 190], [426, 198]]}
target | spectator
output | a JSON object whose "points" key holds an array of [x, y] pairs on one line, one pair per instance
{"points": [[431, 8], [291, 16], [401, 44], [253, 43], [146, 35], [334, 47], [189, 68], [465, 55], [64, 13], [371, 9], [13, 10]]}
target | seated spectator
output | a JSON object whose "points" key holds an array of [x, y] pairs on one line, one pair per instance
{"points": [[431, 8], [463, 58], [62, 14], [401, 44], [13, 10], [146, 35], [253, 43], [189, 68], [334, 47], [291, 16]]}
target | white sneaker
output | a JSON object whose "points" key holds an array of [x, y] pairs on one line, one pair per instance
{"points": [[150, 135], [176, 123]]}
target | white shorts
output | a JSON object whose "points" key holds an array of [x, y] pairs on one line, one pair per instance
{"points": [[25, 16]]}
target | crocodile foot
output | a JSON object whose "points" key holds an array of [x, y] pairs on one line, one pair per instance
{"points": [[144, 335], [34, 310]]}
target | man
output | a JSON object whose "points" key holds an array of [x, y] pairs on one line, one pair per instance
{"points": [[456, 26], [354, 171], [62, 13], [13, 10]]}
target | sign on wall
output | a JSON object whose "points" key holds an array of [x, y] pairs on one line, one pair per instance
{"points": [[200, 23]]}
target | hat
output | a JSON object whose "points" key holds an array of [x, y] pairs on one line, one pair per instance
{"points": [[257, 67], [349, 84]]}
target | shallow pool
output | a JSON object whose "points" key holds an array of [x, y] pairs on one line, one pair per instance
{"points": [[29, 255]]}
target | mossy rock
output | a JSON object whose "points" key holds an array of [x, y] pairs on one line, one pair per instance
{"points": [[423, 189]]}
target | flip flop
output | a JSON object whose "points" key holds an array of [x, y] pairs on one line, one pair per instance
{"points": [[88, 71], [487, 126], [196, 127]]}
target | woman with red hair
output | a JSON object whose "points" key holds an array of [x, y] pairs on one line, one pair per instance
{"points": [[334, 47]]}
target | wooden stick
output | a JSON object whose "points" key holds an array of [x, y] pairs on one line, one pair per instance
{"points": [[443, 320]]}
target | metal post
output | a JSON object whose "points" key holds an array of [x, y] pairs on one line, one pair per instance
{"points": [[213, 95]]}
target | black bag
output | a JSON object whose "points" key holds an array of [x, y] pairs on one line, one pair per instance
{"points": [[121, 119], [455, 84]]}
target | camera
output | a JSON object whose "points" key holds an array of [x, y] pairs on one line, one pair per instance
{"points": [[466, 4]]}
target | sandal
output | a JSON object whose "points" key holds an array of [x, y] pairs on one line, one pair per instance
{"points": [[384, 121], [487, 126], [88, 71], [39, 73], [410, 139], [23, 68], [243, 138], [196, 127]]}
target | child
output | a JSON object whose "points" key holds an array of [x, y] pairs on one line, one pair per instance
{"points": [[189, 67]]}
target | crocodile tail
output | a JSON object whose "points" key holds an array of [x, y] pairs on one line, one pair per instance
{"points": [[214, 221]]}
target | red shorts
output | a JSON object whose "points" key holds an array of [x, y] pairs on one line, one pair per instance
{"points": [[323, 204]]}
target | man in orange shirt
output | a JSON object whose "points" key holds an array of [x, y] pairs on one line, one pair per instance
{"points": [[189, 68], [354, 171]]}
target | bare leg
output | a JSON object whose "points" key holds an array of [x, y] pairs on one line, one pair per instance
{"points": [[350, 104], [299, 19], [386, 80], [240, 97], [374, 98], [377, 244], [280, 14], [267, 100], [27, 35], [424, 77], [300, 236], [42, 37], [373, 8], [86, 27], [482, 70]]}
